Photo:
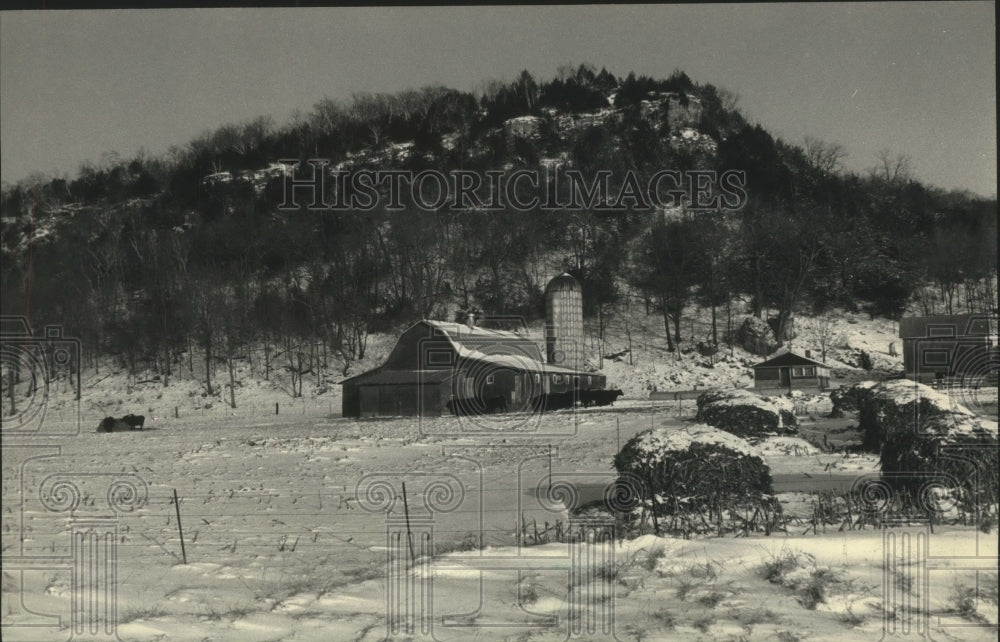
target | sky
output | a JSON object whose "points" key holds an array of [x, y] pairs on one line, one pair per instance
{"points": [[917, 79]]}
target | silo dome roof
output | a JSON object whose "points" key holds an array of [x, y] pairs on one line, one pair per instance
{"points": [[564, 281]]}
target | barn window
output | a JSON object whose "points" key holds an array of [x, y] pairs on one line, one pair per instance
{"points": [[576, 380], [940, 357], [439, 358], [810, 371], [556, 378], [944, 330], [538, 378], [489, 379], [796, 372]]}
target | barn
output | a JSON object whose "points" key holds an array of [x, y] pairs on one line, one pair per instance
{"points": [[437, 368], [790, 371], [936, 348]]}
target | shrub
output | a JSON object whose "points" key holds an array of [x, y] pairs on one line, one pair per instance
{"points": [[800, 573], [899, 406], [745, 413], [865, 360], [687, 469], [850, 399], [952, 454]]}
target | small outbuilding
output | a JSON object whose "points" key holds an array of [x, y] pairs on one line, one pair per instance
{"points": [[790, 371]]}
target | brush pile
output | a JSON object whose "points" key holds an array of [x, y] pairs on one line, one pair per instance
{"points": [[930, 446], [697, 476], [897, 407], [746, 414]]}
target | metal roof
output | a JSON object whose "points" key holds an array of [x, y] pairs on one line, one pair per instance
{"points": [[499, 348], [386, 376], [521, 363], [945, 326], [486, 341], [788, 359], [564, 281]]}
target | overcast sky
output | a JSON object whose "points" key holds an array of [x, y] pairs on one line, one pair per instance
{"points": [[916, 78]]}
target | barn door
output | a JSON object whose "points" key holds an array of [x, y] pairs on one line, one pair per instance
{"points": [[369, 401], [786, 378]]}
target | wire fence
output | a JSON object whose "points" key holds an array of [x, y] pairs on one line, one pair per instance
{"points": [[88, 418]]}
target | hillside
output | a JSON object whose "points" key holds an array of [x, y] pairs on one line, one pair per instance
{"points": [[657, 193]]}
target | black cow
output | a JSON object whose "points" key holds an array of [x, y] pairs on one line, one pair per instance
{"points": [[559, 400], [107, 424], [133, 421]]}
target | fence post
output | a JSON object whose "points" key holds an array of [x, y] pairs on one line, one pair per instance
{"points": [[409, 532], [177, 505]]}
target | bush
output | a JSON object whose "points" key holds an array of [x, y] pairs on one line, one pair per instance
{"points": [[850, 399], [899, 406], [952, 454], [686, 469], [746, 414]]}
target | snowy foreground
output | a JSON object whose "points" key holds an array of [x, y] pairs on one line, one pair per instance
{"points": [[287, 537]]}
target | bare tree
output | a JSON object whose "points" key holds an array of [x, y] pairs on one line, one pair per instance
{"points": [[824, 157], [729, 99], [891, 168], [826, 333]]}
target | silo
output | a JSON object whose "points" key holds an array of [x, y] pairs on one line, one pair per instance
{"points": [[564, 322]]}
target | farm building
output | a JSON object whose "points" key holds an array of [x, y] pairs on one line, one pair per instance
{"points": [[938, 347], [564, 322], [436, 365], [438, 368], [788, 371]]}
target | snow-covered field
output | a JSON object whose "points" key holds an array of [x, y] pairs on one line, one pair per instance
{"points": [[294, 524], [281, 543]]}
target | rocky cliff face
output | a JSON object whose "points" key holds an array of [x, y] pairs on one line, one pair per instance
{"points": [[257, 178], [683, 111], [529, 127]]}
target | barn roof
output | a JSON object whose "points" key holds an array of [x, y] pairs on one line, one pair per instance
{"points": [[486, 341], [788, 359], [944, 326], [522, 363], [484, 345], [385, 375]]}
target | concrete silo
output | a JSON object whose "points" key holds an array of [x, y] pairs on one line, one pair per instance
{"points": [[564, 322]]}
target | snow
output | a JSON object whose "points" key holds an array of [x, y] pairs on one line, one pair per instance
{"points": [[903, 392], [734, 398], [662, 440], [249, 487], [957, 426], [279, 547]]}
